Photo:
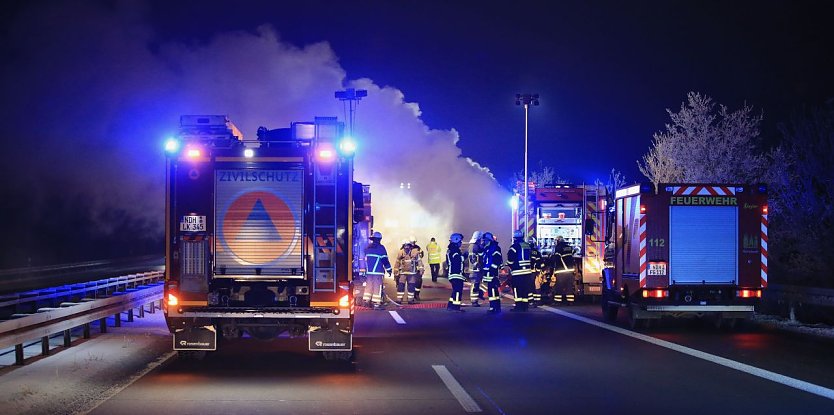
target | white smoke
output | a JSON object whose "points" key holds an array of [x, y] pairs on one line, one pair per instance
{"points": [[94, 93]]}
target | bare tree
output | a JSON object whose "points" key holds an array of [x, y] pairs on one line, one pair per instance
{"points": [[802, 197], [705, 144], [542, 176]]}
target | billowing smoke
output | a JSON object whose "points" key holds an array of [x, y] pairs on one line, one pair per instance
{"points": [[90, 94]]}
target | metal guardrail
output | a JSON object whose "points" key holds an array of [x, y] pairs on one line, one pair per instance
{"points": [[800, 295], [47, 321]]}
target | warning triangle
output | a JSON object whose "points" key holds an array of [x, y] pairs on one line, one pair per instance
{"points": [[258, 225]]}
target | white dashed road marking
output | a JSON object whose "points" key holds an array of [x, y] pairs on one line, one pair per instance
{"points": [[466, 401], [397, 317]]}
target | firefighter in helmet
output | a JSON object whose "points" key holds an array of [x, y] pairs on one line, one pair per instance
{"points": [[418, 284], [376, 258], [492, 259], [519, 260], [563, 271], [474, 269], [455, 259], [536, 263], [407, 266]]}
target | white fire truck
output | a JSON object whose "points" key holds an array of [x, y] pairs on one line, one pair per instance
{"points": [[576, 214], [259, 234]]}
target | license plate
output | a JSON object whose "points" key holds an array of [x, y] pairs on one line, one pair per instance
{"points": [[192, 223], [657, 268]]}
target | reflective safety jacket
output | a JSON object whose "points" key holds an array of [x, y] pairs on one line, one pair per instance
{"points": [[455, 260], [434, 253], [376, 256], [492, 260], [519, 258], [409, 262]]}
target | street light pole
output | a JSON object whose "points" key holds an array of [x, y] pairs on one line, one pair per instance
{"points": [[526, 100], [352, 96]]}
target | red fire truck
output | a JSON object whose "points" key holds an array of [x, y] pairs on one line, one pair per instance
{"points": [[576, 213], [259, 234], [687, 250]]}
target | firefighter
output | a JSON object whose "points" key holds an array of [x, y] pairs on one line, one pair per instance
{"points": [[519, 260], [434, 259], [418, 285], [376, 260], [535, 297], [474, 269], [408, 266], [455, 260], [492, 262], [563, 269]]}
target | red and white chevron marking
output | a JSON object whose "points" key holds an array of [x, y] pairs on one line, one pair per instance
{"points": [[703, 191], [642, 251], [764, 250]]}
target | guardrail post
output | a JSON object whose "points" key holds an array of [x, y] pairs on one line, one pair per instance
{"points": [[142, 311], [130, 315], [67, 338], [102, 324], [160, 304], [118, 319], [86, 334], [45, 345], [152, 310], [18, 354]]}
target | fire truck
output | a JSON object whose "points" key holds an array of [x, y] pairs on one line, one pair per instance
{"points": [[687, 250], [577, 214], [259, 235]]}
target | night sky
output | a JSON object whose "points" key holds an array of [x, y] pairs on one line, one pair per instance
{"points": [[90, 89], [605, 71]]}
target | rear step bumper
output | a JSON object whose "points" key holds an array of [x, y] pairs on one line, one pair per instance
{"points": [[267, 312]]}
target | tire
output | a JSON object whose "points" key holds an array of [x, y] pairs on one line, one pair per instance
{"points": [[633, 322], [609, 311]]}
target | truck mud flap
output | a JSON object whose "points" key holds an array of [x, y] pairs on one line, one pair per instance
{"points": [[196, 338], [330, 341]]}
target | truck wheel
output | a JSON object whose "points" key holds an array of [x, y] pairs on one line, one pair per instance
{"points": [[609, 312], [633, 321]]}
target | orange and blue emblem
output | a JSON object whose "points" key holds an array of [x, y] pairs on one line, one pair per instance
{"points": [[258, 228]]}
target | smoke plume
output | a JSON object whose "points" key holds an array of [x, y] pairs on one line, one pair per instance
{"points": [[91, 93]]}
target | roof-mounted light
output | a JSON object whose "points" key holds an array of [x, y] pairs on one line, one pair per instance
{"points": [[172, 145], [347, 146], [325, 154]]}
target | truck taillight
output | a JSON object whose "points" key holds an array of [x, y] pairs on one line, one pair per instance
{"points": [[344, 302], [193, 153], [642, 209], [764, 210], [655, 293], [749, 293], [172, 300]]}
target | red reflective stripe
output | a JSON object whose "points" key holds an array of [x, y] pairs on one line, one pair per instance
{"points": [[711, 190], [681, 191], [726, 190], [764, 220]]}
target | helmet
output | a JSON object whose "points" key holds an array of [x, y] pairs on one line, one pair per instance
{"points": [[488, 236], [456, 238], [475, 236], [406, 242], [376, 235], [518, 234]]}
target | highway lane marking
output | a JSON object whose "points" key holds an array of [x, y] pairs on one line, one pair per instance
{"points": [[115, 391], [732, 364], [396, 317], [466, 401]]}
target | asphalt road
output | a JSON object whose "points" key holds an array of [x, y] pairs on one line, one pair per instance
{"points": [[546, 361]]}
